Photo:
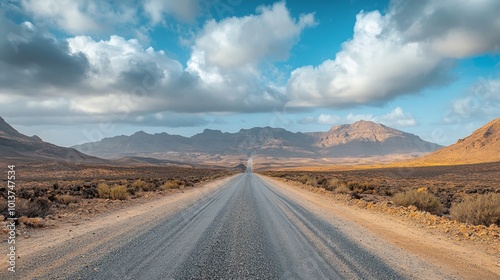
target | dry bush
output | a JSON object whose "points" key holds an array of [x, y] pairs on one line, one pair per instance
{"points": [[304, 179], [103, 190], [312, 182], [39, 207], [141, 185], [333, 182], [67, 199], [342, 189], [170, 185], [423, 200], [478, 210], [118, 192]]}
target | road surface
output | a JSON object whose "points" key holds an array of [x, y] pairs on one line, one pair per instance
{"points": [[245, 229]]}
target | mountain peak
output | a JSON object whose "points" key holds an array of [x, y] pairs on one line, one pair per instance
{"points": [[211, 131], [362, 124], [368, 137], [140, 133]]}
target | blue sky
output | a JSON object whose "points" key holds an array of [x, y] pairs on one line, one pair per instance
{"points": [[77, 71]]}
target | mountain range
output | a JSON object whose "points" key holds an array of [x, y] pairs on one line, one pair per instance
{"points": [[360, 139]]}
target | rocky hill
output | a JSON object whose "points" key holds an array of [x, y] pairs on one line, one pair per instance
{"points": [[483, 145], [365, 138], [15, 147]]}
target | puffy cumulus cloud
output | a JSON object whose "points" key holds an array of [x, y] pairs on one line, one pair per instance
{"points": [[186, 10], [122, 65], [226, 59], [410, 48], [232, 42], [395, 118], [77, 17]]}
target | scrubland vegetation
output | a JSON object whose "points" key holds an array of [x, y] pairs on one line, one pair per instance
{"points": [[43, 193]]}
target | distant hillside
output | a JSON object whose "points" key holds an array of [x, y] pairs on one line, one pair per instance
{"points": [[16, 146], [357, 140], [365, 138], [483, 145]]}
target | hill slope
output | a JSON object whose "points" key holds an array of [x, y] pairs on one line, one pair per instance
{"points": [[16, 146], [483, 145]]}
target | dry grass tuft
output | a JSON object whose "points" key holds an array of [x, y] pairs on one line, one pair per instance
{"points": [[479, 210], [423, 200], [174, 184], [103, 190], [67, 199], [143, 186], [118, 192], [342, 189]]}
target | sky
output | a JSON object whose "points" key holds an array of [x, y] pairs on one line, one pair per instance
{"points": [[77, 71]]}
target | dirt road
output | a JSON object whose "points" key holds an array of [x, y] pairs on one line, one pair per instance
{"points": [[245, 227]]}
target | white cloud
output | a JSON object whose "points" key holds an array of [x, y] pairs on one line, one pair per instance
{"points": [[77, 17], [397, 118], [359, 117], [186, 10], [390, 55], [112, 59], [328, 119], [451, 28], [240, 42]]}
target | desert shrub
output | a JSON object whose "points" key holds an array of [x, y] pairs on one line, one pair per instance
{"points": [[67, 199], [342, 189], [312, 182], [423, 200], [174, 184], [103, 190], [39, 207], [304, 178], [141, 185], [118, 192], [333, 182], [478, 210]]}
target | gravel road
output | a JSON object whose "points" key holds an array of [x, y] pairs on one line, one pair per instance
{"points": [[245, 229]]}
